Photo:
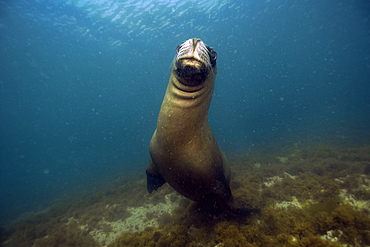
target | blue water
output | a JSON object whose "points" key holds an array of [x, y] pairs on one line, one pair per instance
{"points": [[82, 81]]}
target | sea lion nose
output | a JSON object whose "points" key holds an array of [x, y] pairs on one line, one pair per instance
{"points": [[195, 43]]}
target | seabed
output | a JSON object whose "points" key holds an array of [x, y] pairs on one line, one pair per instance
{"points": [[316, 196]]}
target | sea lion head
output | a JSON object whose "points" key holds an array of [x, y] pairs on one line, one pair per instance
{"points": [[194, 61]]}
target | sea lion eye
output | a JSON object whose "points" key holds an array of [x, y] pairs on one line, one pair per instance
{"points": [[178, 48], [212, 55]]}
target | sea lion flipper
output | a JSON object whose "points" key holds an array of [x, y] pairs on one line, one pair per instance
{"points": [[225, 194], [153, 181]]}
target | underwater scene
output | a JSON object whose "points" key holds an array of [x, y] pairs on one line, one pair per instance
{"points": [[81, 88]]}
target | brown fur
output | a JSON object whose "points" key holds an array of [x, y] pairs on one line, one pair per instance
{"points": [[183, 149]]}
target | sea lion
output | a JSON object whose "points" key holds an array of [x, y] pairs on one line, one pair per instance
{"points": [[184, 152]]}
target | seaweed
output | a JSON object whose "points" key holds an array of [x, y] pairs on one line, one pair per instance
{"points": [[116, 212], [351, 226], [327, 206], [148, 237], [316, 177], [362, 194], [164, 219], [153, 237], [367, 169], [66, 235]]}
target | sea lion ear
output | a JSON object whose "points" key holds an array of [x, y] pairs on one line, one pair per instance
{"points": [[212, 55], [178, 48]]}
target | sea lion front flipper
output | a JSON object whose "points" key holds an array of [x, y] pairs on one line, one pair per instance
{"points": [[154, 180]]}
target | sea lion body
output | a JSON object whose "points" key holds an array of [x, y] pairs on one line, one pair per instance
{"points": [[184, 151]]}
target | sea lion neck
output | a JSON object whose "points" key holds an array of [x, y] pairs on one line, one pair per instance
{"points": [[191, 95], [184, 110]]}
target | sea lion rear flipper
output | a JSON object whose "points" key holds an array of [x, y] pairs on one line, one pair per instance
{"points": [[225, 194]]}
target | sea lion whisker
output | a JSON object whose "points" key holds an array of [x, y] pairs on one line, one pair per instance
{"points": [[200, 51], [184, 49], [203, 53]]}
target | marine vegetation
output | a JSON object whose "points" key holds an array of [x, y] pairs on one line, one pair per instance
{"points": [[316, 196]]}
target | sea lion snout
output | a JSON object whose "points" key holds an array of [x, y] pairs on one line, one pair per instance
{"points": [[196, 49], [194, 61], [191, 71]]}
